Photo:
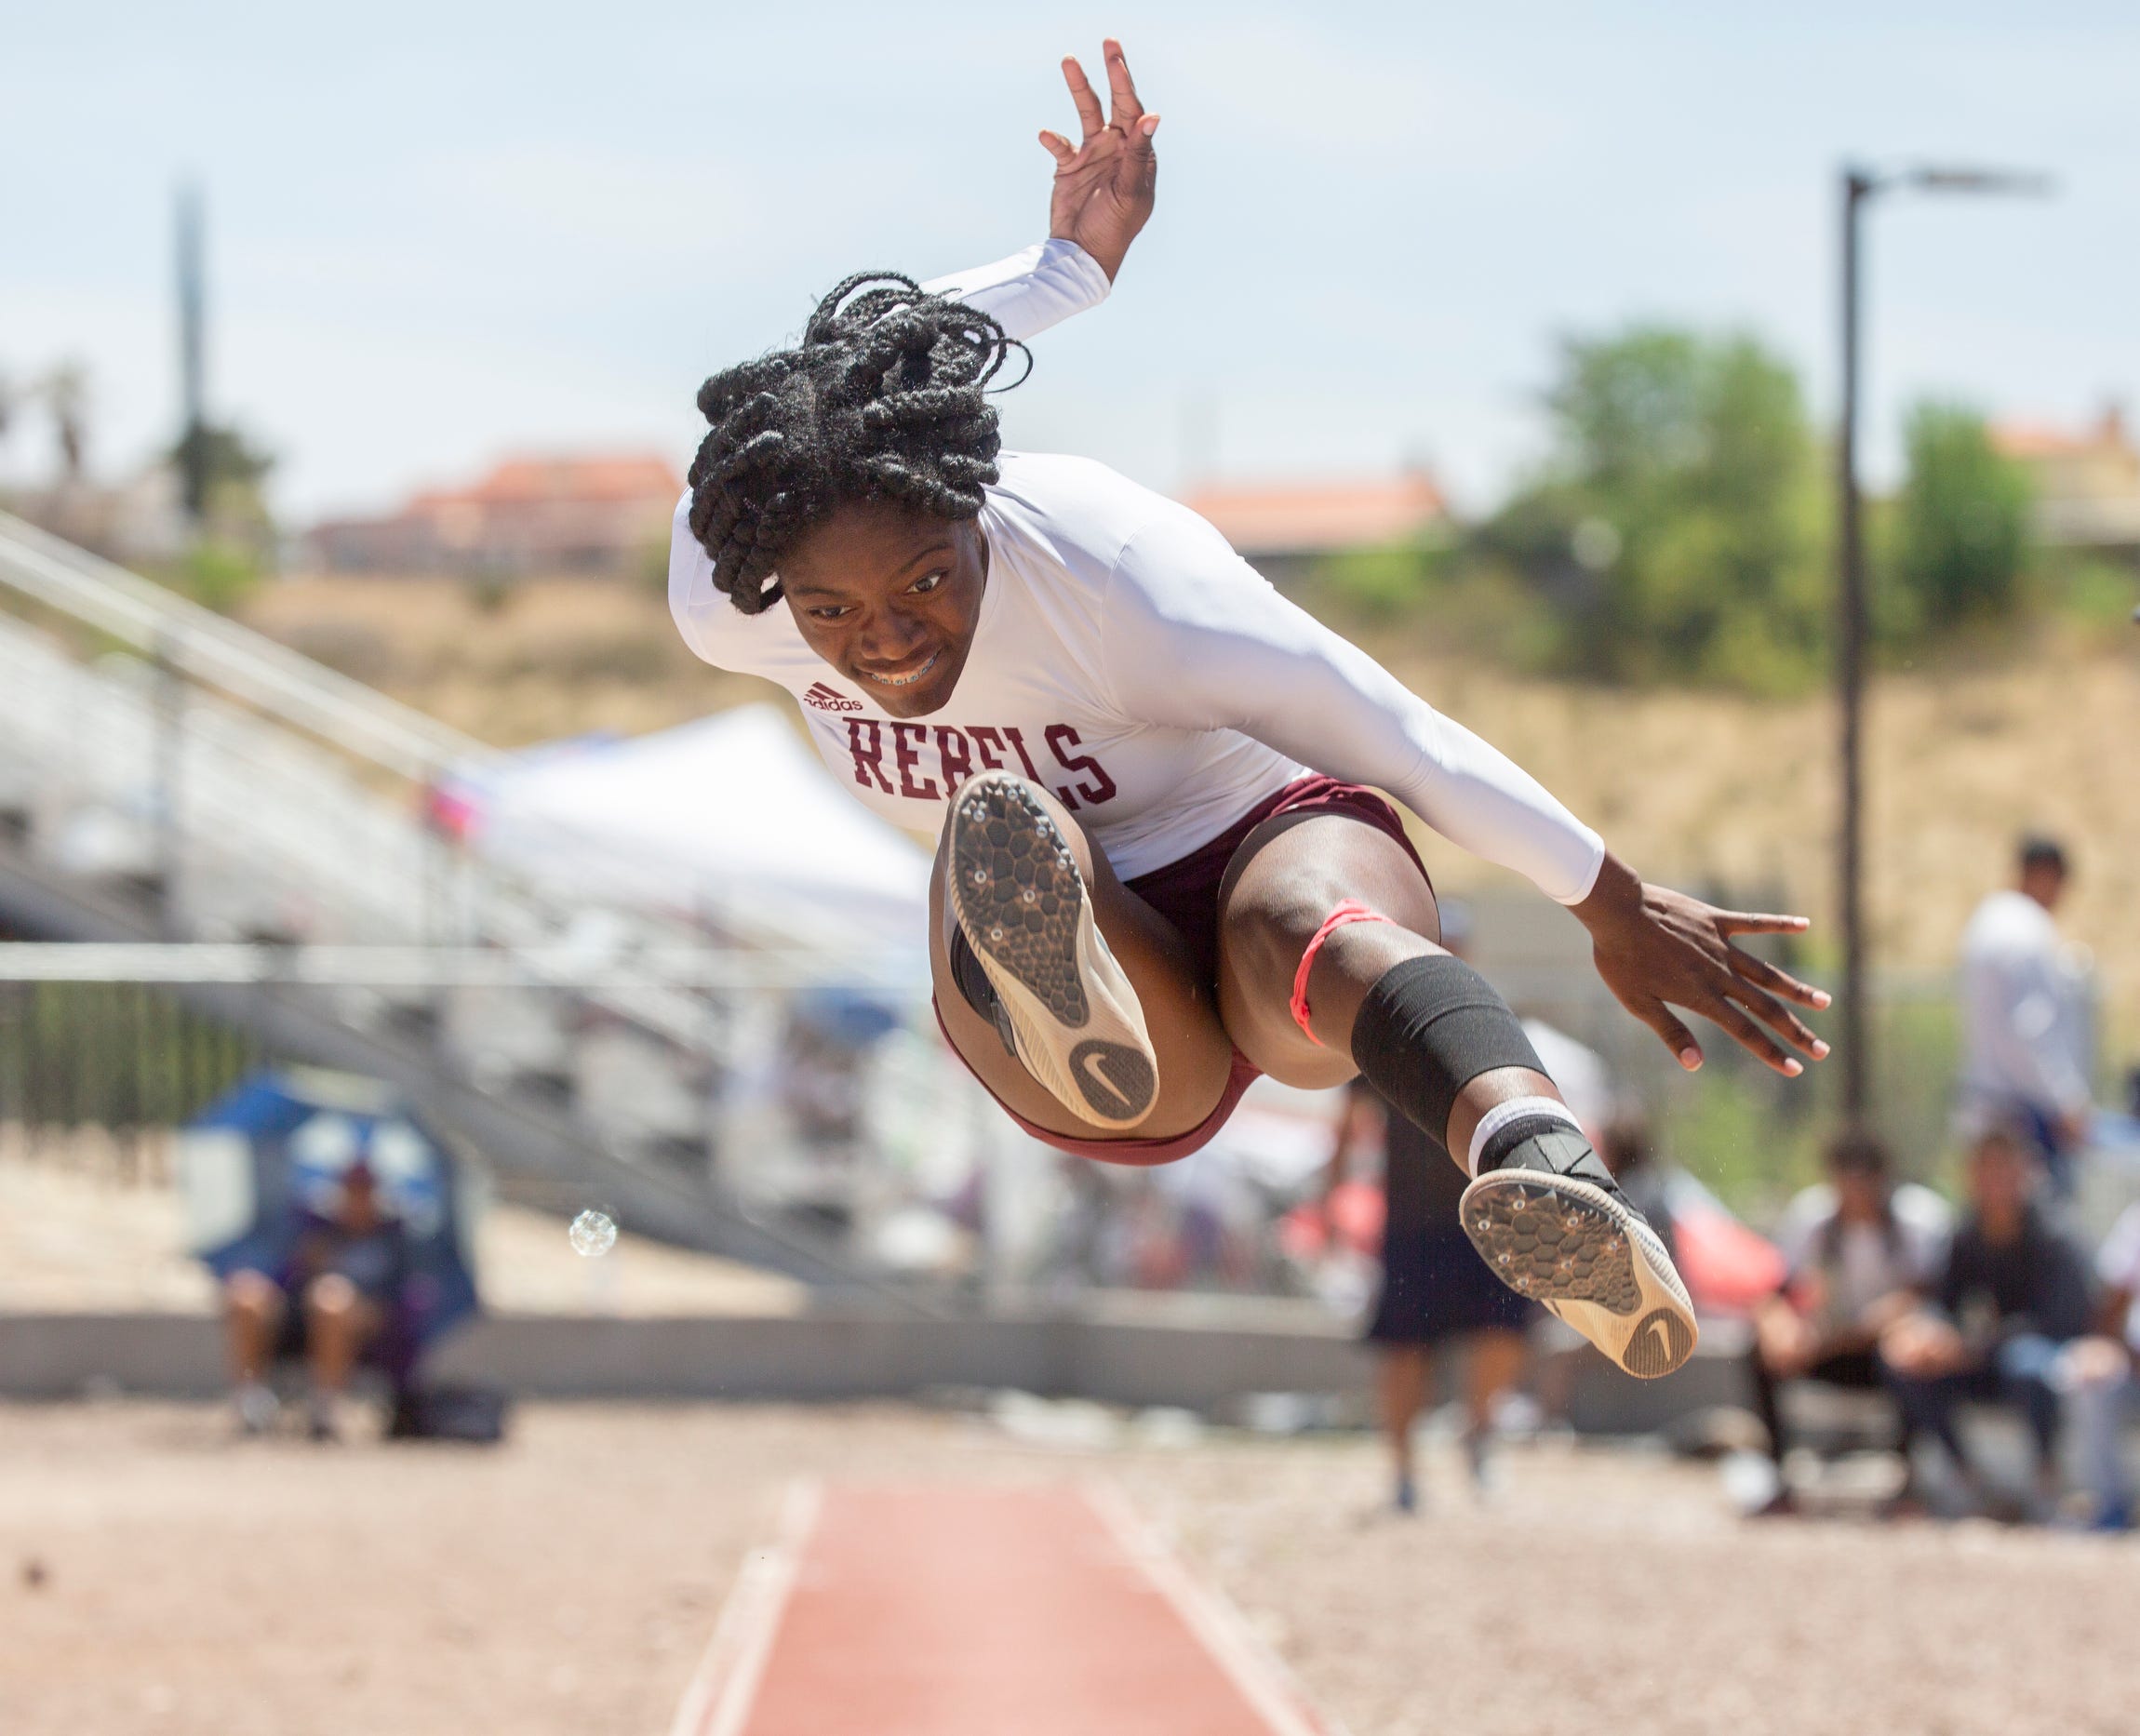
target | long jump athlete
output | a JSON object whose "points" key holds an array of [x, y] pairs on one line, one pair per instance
{"points": [[1161, 869]]}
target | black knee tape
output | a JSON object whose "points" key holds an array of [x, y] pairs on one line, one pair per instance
{"points": [[1427, 1028]]}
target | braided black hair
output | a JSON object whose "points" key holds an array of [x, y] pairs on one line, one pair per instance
{"points": [[883, 400]]}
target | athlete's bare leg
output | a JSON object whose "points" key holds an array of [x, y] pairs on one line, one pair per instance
{"points": [[1287, 876], [1545, 1211], [1194, 1055]]}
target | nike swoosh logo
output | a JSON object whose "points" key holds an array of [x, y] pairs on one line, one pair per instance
{"points": [[1664, 1337], [1091, 1065]]}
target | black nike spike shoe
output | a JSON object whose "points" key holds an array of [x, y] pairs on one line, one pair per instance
{"points": [[1061, 1002], [1552, 1225]]}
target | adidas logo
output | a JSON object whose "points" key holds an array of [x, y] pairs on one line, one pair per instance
{"points": [[826, 699]]}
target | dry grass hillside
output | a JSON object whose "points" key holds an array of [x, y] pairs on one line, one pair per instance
{"points": [[1693, 786], [1700, 785]]}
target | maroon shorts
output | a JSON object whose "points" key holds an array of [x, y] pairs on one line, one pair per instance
{"points": [[1186, 893]]}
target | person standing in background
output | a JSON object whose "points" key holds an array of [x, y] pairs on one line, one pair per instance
{"points": [[2026, 1060], [1437, 1293]]}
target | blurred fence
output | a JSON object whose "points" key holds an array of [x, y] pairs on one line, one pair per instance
{"points": [[870, 1140], [124, 1061]]}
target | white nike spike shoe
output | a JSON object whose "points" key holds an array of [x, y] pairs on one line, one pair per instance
{"points": [[1074, 1018], [1570, 1240]]}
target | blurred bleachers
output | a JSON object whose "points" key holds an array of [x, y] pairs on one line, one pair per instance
{"points": [[168, 776]]}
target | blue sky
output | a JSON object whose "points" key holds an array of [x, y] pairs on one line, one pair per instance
{"points": [[440, 233]]}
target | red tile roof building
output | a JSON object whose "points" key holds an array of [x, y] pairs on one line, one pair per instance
{"points": [[529, 516], [2087, 482], [1283, 530]]}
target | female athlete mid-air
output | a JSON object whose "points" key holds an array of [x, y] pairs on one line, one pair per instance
{"points": [[1162, 869]]}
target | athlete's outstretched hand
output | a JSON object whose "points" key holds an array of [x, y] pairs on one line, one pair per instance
{"points": [[1103, 185], [1658, 949]]}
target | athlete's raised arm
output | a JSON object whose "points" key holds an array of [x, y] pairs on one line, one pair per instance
{"points": [[1195, 638], [1105, 184], [1102, 197]]}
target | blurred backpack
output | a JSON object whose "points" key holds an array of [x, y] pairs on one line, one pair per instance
{"points": [[450, 1413]]}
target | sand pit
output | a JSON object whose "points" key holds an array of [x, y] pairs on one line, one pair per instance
{"points": [[157, 1576]]}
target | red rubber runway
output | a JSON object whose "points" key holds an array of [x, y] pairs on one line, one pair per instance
{"points": [[951, 1611]]}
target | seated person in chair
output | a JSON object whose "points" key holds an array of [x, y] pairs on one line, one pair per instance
{"points": [[330, 1303], [2014, 1291], [2100, 1380], [1858, 1250]]}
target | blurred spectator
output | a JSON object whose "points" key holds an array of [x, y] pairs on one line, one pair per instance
{"points": [[2014, 1290], [1578, 1073], [1629, 1152], [820, 1080], [346, 1273], [1859, 1252], [2098, 1373], [1436, 1292], [1077, 1251], [2025, 1027]]}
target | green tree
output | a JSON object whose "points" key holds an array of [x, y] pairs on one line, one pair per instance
{"points": [[234, 472], [1374, 584], [1676, 531], [216, 575], [1961, 524], [237, 540]]}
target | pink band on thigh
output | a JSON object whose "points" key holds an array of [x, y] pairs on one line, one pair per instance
{"points": [[1351, 909]]}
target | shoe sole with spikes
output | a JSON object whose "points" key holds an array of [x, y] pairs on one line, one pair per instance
{"points": [[1590, 1258], [1017, 892]]}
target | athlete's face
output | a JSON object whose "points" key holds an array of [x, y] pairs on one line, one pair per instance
{"points": [[889, 597]]}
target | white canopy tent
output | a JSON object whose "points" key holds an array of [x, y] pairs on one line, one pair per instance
{"points": [[730, 819]]}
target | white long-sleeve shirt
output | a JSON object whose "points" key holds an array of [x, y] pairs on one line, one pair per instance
{"points": [[1035, 288], [2024, 1023], [1128, 659]]}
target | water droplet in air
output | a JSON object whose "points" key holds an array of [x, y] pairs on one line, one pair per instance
{"points": [[592, 1234]]}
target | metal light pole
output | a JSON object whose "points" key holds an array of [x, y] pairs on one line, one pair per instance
{"points": [[193, 366], [1858, 186]]}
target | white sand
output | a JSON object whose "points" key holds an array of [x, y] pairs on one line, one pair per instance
{"points": [[190, 1585]]}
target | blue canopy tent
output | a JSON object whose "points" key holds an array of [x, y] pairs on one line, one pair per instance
{"points": [[273, 1149]]}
